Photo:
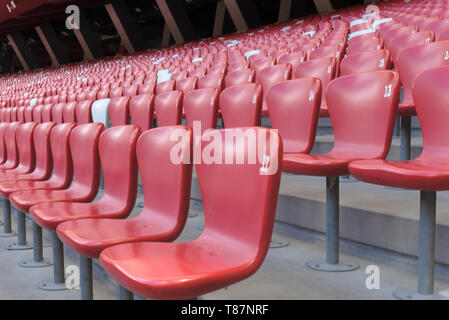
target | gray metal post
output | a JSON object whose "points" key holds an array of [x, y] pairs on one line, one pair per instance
{"points": [[7, 230], [58, 282], [124, 294], [426, 254], [21, 234], [332, 219], [405, 137], [332, 232], [38, 255], [87, 290]]}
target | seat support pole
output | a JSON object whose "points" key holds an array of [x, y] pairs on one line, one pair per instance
{"points": [[124, 294], [38, 252], [21, 234], [405, 138], [87, 292], [426, 254], [332, 232], [7, 230], [58, 282]]}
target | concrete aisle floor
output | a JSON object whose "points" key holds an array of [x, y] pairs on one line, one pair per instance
{"points": [[283, 275]]}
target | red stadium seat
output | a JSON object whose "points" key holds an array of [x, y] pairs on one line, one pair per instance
{"points": [[9, 137], [363, 127], [241, 105], [406, 41], [168, 107], [187, 84], [165, 86], [141, 110], [46, 113], [232, 260], [294, 109], [240, 77], [323, 69], [427, 173], [119, 111], [211, 81], [3, 156], [69, 112], [365, 62], [294, 58], [83, 112], [201, 108], [37, 114]]}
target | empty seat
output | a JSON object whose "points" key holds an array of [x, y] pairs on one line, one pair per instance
{"points": [[241, 105], [365, 62], [57, 112], [168, 107], [131, 90], [294, 58], [37, 113], [46, 113], [119, 111], [240, 77], [211, 81], [147, 88], [294, 109], [9, 137], [116, 92], [406, 41], [323, 69], [270, 76], [69, 112], [187, 84], [100, 112], [165, 86], [83, 112], [201, 108], [141, 110], [247, 196]]}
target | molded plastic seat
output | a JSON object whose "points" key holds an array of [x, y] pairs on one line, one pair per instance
{"points": [[168, 107], [165, 86], [100, 112], [241, 105], [166, 199], [406, 41], [61, 160], [57, 113], [9, 137], [431, 55], [37, 114], [131, 90], [211, 81], [83, 112], [46, 112], [294, 108], [147, 88], [201, 108], [187, 84], [69, 112], [141, 110], [430, 170], [362, 108], [3, 155], [294, 58], [365, 62], [323, 69], [117, 148], [116, 92], [363, 46], [226, 252], [119, 111], [270, 76], [444, 35], [86, 172], [240, 77]]}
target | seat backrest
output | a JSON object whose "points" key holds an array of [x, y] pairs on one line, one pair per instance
{"points": [[83, 111], [166, 195], [272, 75], [437, 27], [131, 90], [211, 81], [116, 92], [57, 113], [240, 212], [100, 112], [13, 114], [11, 145], [119, 111], [294, 58], [365, 62], [323, 69], [28, 114], [168, 107], [147, 88], [37, 113], [444, 35], [42, 149], [431, 55], [240, 77], [117, 148], [60, 152], [201, 108], [166, 86], [3, 155], [409, 40], [431, 103], [362, 109], [294, 108], [241, 105], [187, 84], [21, 114], [84, 141], [25, 146], [8, 115], [102, 94], [141, 110], [68, 112], [363, 46], [46, 112]]}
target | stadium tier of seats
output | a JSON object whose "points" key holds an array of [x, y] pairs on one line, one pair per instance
{"points": [[67, 132]]}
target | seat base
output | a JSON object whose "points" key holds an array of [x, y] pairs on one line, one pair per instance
{"points": [[15, 246], [50, 285], [277, 243], [410, 294], [321, 265], [30, 263]]}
